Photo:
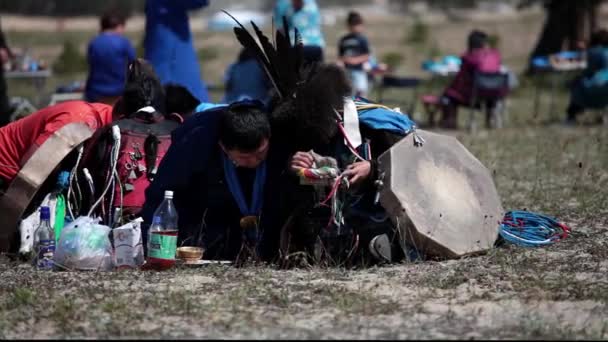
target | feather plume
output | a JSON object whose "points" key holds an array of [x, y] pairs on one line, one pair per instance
{"points": [[303, 115], [271, 55], [249, 42], [283, 50]]}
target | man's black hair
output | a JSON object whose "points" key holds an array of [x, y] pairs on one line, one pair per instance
{"points": [[354, 18], [297, 4], [245, 54], [112, 19], [308, 120], [243, 127], [179, 100], [477, 39], [142, 88], [599, 38]]}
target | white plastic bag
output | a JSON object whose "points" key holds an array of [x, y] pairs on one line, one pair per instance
{"points": [[84, 245]]}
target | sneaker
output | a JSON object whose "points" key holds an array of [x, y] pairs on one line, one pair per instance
{"points": [[380, 247]]}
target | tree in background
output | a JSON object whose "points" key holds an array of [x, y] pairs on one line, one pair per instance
{"points": [[68, 8], [568, 23]]}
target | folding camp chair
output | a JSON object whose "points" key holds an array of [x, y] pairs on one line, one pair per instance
{"points": [[489, 87]]}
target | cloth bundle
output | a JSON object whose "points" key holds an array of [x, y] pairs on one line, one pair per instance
{"points": [[323, 172]]}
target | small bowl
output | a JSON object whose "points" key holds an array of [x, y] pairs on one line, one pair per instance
{"points": [[190, 253]]}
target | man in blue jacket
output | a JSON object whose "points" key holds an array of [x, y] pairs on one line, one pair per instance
{"points": [[108, 55], [245, 79], [168, 44]]}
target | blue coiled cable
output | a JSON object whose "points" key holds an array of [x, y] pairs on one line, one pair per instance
{"points": [[529, 229]]}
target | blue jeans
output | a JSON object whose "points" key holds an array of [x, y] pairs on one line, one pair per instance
{"points": [[359, 81]]}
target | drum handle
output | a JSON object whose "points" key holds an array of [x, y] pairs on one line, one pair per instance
{"points": [[379, 183]]}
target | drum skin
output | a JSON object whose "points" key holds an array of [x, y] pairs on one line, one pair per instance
{"points": [[441, 198]]}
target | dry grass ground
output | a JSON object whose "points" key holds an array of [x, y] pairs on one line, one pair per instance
{"points": [[556, 292]]}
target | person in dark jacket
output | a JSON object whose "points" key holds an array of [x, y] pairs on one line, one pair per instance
{"points": [[590, 89], [221, 166], [180, 104], [310, 113], [5, 109], [354, 52]]}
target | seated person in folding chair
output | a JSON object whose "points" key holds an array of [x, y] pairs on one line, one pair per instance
{"points": [[479, 58], [590, 90]]}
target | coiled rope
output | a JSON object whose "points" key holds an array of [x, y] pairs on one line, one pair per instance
{"points": [[528, 229]]}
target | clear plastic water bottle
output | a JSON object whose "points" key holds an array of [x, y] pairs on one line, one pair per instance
{"points": [[44, 241], [26, 60], [162, 236]]}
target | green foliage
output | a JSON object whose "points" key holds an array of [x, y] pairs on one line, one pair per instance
{"points": [[140, 49], [208, 53], [70, 60], [434, 51], [392, 59], [18, 298], [418, 33], [494, 40]]}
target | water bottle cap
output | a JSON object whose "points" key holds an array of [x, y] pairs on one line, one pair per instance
{"points": [[168, 194], [45, 213]]}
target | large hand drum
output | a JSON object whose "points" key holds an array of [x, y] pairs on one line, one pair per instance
{"points": [[441, 198], [33, 174]]}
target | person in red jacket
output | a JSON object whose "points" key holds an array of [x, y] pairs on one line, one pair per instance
{"points": [[21, 138], [479, 58]]}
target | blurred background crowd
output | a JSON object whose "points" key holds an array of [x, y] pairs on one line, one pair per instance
{"points": [[406, 53]]}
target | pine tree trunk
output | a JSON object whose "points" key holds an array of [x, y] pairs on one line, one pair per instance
{"points": [[554, 30], [568, 23]]}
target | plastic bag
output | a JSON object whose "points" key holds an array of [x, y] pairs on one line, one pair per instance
{"points": [[84, 245]]}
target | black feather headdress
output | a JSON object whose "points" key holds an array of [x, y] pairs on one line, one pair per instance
{"points": [[302, 112]]}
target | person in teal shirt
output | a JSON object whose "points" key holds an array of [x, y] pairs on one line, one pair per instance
{"points": [[306, 17]]}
